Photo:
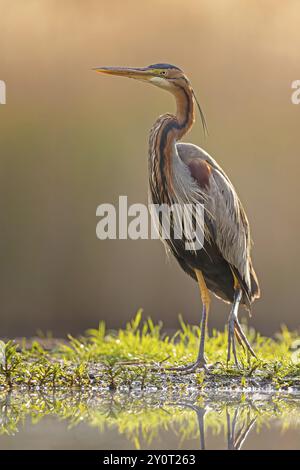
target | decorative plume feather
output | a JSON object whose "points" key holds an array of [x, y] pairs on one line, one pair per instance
{"points": [[204, 125]]}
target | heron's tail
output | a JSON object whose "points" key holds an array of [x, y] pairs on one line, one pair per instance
{"points": [[255, 290], [249, 294]]}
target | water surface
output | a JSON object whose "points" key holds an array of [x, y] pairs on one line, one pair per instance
{"points": [[149, 420]]}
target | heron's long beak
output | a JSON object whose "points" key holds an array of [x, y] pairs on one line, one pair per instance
{"points": [[130, 72]]}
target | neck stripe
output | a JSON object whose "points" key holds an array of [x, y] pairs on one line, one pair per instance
{"points": [[172, 124]]}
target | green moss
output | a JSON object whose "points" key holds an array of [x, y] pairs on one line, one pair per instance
{"points": [[134, 357]]}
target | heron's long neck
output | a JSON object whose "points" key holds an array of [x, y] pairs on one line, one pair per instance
{"points": [[185, 112], [166, 131]]}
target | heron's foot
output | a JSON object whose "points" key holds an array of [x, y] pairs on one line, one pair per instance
{"points": [[243, 338], [190, 368], [235, 332]]}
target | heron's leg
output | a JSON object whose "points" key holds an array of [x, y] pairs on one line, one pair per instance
{"points": [[205, 297], [240, 335], [231, 324], [243, 338]]}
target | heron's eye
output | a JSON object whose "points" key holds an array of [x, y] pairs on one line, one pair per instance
{"points": [[163, 72]]}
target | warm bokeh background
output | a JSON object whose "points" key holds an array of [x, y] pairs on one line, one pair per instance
{"points": [[71, 139]]}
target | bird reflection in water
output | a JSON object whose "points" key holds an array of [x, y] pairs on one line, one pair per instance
{"points": [[238, 425]]}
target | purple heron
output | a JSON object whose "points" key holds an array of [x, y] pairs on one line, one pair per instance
{"points": [[183, 172]]}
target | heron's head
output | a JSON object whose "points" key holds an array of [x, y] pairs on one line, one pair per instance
{"points": [[165, 76]]}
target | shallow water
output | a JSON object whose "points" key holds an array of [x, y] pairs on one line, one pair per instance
{"points": [[149, 420]]}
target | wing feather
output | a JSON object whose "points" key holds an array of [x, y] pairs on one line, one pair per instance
{"points": [[228, 223]]}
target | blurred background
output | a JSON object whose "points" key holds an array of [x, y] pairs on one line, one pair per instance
{"points": [[71, 139]]}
